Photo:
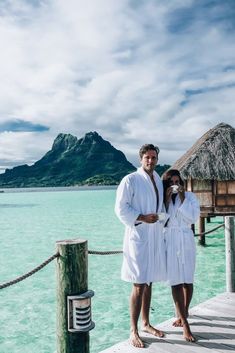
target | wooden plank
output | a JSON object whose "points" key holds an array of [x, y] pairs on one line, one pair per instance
{"points": [[231, 187], [222, 329], [205, 198], [207, 337], [221, 187], [174, 335], [221, 304], [221, 307], [212, 313], [212, 323]]}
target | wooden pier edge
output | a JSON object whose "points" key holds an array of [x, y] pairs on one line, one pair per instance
{"points": [[212, 323]]}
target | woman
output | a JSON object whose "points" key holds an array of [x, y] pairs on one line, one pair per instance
{"points": [[183, 209]]}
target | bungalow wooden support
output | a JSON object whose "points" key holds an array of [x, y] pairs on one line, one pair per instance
{"points": [[201, 229]]}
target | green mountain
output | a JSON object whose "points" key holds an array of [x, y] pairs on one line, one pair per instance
{"points": [[89, 160], [162, 168]]}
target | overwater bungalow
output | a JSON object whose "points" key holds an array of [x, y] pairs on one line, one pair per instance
{"points": [[208, 169]]}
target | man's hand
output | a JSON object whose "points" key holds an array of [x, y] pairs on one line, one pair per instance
{"points": [[148, 218]]}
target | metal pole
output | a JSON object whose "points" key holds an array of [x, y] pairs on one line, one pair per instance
{"points": [[230, 253], [72, 273]]}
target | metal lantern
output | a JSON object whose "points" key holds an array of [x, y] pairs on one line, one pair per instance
{"points": [[79, 312]]}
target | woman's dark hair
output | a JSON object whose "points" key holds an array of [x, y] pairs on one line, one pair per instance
{"points": [[148, 147], [170, 173], [167, 178]]}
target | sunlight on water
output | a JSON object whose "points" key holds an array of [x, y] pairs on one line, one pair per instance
{"points": [[31, 223]]}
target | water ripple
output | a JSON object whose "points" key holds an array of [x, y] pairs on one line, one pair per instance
{"points": [[15, 205]]}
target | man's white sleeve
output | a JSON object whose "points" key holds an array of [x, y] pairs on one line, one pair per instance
{"points": [[124, 200]]}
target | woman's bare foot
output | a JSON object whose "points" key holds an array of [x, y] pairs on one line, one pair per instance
{"points": [[153, 331], [177, 323], [188, 336], [135, 340]]}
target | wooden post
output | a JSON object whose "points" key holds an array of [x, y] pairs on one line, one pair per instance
{"points": [[72, 273], [230, 253], [193, 228], [202, 238], [208, 219]]}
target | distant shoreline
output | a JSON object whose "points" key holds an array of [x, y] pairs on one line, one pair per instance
{"points": [[59, 188]]}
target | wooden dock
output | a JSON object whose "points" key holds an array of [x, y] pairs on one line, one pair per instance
{"points": [[212, 323]]}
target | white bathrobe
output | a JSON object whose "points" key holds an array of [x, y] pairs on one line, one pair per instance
{"points": [[180, 243], [144, 257]]}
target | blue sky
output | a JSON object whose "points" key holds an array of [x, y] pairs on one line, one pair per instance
{"points": [[151, 71]]}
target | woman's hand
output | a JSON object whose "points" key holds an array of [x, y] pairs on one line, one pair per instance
{"points": [[181, 192], [169, 192]]}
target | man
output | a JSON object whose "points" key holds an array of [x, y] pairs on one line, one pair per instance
{"points": [[138, 203]]}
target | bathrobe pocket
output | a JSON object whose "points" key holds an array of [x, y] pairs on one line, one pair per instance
{"points": [[139, 232]]}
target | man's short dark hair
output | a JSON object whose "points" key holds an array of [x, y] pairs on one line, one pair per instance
{"points": [[148, 147]]}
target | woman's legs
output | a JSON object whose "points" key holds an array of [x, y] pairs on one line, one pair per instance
{"points": [[178, 293], [188, 294]]}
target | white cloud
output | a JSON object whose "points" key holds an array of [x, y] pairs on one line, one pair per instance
{"points": [[136, 72], [20, 148]]}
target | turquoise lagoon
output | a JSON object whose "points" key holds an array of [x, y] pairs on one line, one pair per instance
{"points": [[31, 223]]}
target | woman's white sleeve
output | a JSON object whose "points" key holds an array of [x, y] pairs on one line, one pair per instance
{"points": [[190, 208]]}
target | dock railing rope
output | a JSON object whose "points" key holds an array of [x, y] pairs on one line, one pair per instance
{"points": [[209, 231], [28, 274], [94, 252], [91, 252]]}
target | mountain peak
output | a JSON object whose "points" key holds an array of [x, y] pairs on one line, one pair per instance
{"points": [[92, 134], [89, 160], [90, 137], [64, 141]]}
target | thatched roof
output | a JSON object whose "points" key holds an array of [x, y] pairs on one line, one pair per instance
{"points": [[211, 157]]}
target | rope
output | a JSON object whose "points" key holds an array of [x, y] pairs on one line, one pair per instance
{"points": [[93, 252], [36, 269], [209, 231]]}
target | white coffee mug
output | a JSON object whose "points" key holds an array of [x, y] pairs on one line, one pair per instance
{"points": [[161, 216], [175, 188]]}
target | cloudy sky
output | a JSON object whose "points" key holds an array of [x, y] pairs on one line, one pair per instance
{"points": [[137, 71]]}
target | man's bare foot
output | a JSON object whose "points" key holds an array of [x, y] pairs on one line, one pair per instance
{"points": [[188, 336], [177, 323], [135, 340], [153, 331]]}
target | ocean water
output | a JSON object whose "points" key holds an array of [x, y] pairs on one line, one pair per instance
{"points": [[31, 223]]}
